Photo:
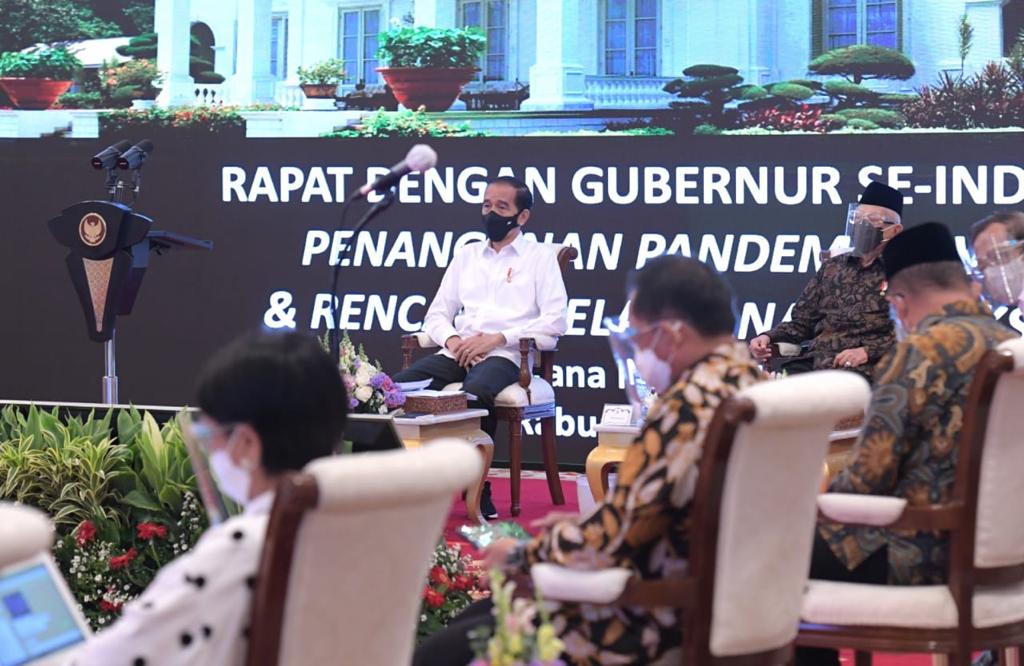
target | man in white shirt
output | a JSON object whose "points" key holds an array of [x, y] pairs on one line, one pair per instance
{"points": [[270, 404], [492, 295]]}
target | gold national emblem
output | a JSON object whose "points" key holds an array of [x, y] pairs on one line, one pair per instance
{"points": [[92, 229]]}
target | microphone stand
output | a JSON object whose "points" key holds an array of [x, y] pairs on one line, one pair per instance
{"points": [[334, 339]]}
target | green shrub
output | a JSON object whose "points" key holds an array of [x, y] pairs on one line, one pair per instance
{"points": [[329, 72], [834, 120], [83, 100], [807, 83], [431, 47], [45, 63], [143, 46], [880, 117], [209, 77], [791, 91], [750, 93], [861, 124], [645, 131], [706, 129], [402, 123], [199, 118], [707, 89], [853, 92], [863, 61], [896, 99], [709, 71]]}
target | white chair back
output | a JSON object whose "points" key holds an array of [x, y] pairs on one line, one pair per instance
{"points": [[999, 535], [768, 510], [361, 556], [24, 532]]}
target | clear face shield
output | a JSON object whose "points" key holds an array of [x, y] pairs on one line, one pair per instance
{"points": [[1000, 270], [864, 229], [620, 339]]}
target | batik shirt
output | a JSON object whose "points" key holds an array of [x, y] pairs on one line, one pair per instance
{"points": [[842, 307], [643, 525], [908, 447]]}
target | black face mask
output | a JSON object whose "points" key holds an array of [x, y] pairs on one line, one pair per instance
{"points": [[499, 227]]}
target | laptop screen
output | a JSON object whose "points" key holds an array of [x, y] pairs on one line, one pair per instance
{"points": [[35, 619]]}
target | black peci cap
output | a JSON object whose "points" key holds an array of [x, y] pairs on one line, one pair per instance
{"points": [[926, 243], [880, 194]]}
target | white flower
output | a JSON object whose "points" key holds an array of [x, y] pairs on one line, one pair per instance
{"points": [[364, 393], [383, 409], [363, 376]]}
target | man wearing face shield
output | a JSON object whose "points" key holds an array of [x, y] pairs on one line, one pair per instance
{"points": [[682, 319], [998, 245], [492, 295], [908, 446], [842, 310]]}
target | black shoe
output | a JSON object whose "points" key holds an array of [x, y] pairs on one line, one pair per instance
{"points": [[487, 509]]}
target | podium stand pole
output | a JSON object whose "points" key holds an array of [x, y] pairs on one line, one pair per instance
{"points": [[110, 372]]}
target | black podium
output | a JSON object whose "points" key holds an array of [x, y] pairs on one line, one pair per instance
{"points": [[109, 247]]}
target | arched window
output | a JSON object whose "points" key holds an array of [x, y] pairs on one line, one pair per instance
{"points": [[629, 34]]}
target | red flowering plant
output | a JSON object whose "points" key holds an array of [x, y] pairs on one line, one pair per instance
{"points": [[799, 118], [120, 492], [452, 585]]}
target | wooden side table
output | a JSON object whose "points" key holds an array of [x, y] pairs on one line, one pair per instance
{"points": [[612, 444], [418, 430]]}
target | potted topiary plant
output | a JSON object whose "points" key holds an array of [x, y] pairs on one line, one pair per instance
{"points": [[427, 67], [35, 79], [135, 81], [321, 80]]}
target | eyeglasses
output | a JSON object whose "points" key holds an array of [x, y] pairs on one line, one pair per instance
{"points": [[204, 433], [998, 255], [875, 219], [631, 333]]}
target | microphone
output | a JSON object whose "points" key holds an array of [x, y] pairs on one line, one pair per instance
{"points": [[136, 155], [420, 158], [107, 158]]}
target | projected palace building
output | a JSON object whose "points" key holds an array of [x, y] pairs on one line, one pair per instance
{"points": [[576, 54]]}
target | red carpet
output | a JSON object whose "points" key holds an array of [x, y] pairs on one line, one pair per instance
{"points": [[536, 503]]}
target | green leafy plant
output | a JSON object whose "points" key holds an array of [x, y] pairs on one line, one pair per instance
{"points": [[193, 118], [46, 63], [403, 123], [83, 100], [432, 47], [327, 73], [880, 117], [846, 94], [200, 61], [793, 92], [965, 40], [992, 98], [135, 79], [861, 124], [712, 86], [861, 62]]}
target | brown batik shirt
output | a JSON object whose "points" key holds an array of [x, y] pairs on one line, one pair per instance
{"points": [[908, 447], [643, 525], [842, 307]]}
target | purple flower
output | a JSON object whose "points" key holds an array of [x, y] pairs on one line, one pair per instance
{"points": [[352, 403], [394, 399], [377, 381]]}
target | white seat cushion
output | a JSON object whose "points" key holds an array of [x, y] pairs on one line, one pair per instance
{"points": [[514, 396], [920, 607]]}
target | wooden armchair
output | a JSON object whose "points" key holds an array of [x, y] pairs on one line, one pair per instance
{"points": [[753, 514], [348, 547], [532, 397], [982, 605]]}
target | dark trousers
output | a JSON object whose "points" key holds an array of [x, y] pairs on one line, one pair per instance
{"points": [[826, 566], [450, 646], [485, 380]]}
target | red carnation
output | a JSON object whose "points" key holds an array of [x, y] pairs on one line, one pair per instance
{"points": [[147, 531], [84, 533], [439, 577], [462, 583], [122, 561], [433, 598], [109, 607]]}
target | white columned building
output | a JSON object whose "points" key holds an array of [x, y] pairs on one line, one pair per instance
{"points": [[253, 80], [435, 13], [557, 80], [172, 26]]}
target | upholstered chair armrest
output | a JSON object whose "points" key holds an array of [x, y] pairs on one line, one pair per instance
{"points": [[547, 345], [890, 512], [558, 583], [856, 509], [24, 532]]}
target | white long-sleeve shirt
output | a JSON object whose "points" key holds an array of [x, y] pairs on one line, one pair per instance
{"points": [[196, 610], [517, 292]]}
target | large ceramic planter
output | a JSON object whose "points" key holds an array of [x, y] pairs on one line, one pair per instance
{"points": [[313, 91], [33, 93], [436, 89]]}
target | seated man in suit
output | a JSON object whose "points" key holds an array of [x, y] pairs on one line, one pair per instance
{"points": [[998, 245], [908, 447], [681, 328], [492, 295]]}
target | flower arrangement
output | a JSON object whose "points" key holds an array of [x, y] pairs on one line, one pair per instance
{"points": [[451, 586], [518, 638], [120, 492], [370, 390]]}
